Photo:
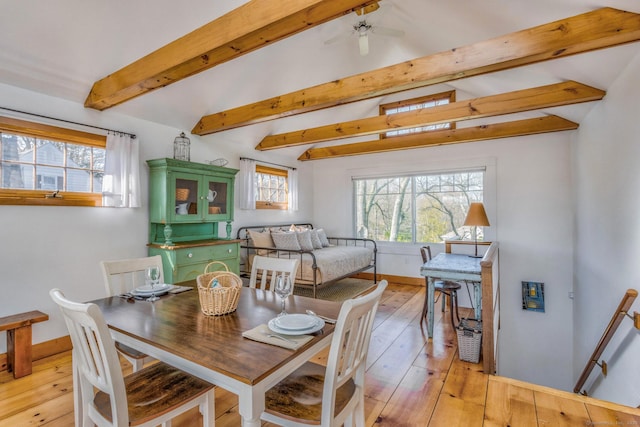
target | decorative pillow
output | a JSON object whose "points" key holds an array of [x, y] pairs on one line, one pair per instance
{"points": [[304, 239], [315, 239], [287, 241], [323, 238], [262, 240], [297, 228]]}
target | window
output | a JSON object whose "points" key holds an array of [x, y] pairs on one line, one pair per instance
{"points": [[47, 165], [272, 190], [416, 104], [416, 208]]}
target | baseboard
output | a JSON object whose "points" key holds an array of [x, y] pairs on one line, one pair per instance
{"points": [[43, 349], [401, 280]]}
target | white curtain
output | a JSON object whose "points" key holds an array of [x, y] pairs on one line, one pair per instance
{"points": [[292, 179], [247, 184], [121, 182]]}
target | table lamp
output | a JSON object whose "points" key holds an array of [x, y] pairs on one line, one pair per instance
{"points": [[476, 217]]}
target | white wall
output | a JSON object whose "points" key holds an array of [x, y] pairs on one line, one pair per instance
{"points": [[47, 247], [531, 218], [607, 244]]}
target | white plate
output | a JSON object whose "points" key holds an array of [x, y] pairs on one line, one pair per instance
{"points": [[319, 324], [146, 289], [295, 322]]}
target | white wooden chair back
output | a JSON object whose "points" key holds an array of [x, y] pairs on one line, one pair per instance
{"points": [[348, 356], [95, 358], [265, 269], [121, 276]]}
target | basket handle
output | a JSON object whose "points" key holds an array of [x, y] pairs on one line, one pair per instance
{"points": [[206, 268]]}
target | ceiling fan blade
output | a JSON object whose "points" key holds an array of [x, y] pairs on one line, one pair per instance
{"points": [[338, 38], [384, 31], [363, 43]]}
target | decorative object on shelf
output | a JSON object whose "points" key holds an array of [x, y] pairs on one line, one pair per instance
{"points": [[476, 217], [182, 194], [219, 162], [182, 208], [182, 148], [212, 196]]}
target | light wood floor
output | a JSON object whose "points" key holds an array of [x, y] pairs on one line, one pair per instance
{"points": [[411, 381]]}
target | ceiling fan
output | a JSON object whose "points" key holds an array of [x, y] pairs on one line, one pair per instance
{"points": [[362, 29]]}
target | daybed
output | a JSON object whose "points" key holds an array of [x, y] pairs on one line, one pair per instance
{"points": [[323, 260]]}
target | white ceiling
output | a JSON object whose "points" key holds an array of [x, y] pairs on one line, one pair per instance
{"points": [[61, 47]]}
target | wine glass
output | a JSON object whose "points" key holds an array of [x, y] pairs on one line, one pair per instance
{"points": [[283, 289], [152, 278]]}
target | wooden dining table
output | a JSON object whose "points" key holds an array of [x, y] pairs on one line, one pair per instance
{"points": [[175, 331]]}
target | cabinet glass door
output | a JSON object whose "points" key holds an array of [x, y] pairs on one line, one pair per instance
{"points": [[217, 199], [187, 195]]}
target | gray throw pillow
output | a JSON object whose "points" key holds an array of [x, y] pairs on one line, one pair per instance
{"points": [[286, 241], [315, 239], [304, 239]]}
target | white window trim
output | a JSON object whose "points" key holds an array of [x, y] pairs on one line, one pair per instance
{"points": [[430, 167]]}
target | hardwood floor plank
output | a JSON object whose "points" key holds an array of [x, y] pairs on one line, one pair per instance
{"points": [[48, 413], [44, 392], [415, 399], [560, 412], [603, 416], [386, 332], [417, 382], [509, 405]]}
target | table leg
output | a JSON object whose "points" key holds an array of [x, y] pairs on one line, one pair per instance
{"points": [[430, 294], [477, 290], [250, 406]]}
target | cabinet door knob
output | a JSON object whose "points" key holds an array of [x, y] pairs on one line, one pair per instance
{"points": [[190, 255], [229, 250]]}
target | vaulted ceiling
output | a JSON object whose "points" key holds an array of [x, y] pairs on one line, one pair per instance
{"points": [[247, 71]]}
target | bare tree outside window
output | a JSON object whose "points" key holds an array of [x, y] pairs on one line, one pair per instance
{"points": [[422, 208]]}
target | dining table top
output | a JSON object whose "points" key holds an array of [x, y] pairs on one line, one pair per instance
{"points": [[176, 325], [452, 263]]}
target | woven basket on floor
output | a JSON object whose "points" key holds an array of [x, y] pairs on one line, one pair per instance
{"points": [[469, 339], [222, 299]]}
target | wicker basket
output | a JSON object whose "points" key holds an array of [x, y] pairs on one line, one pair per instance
{"points": [[182, 194], [469, 339], [222, 299]]}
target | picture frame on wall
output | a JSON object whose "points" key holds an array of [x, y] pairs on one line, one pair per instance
{"points": [[533, 296]]}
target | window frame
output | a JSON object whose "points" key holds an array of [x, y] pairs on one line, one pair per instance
{"points": [[17, 196], [265, 204], [450, 95], [487, 193]]}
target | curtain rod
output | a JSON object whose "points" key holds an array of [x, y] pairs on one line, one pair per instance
{"points": [[68, 121], [269, 163]]}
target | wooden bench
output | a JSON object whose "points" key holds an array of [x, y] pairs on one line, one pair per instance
{"points": [[18, 327]]}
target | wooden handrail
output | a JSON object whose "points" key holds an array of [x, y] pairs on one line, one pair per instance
{"points": [[618, 315]]}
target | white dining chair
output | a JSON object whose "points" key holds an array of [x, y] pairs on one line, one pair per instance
{"points": [[331, 395], [264, 270], [152, 396], [122, 276]]}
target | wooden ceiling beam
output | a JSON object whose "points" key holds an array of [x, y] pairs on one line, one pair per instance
{"points": [[598, 29], [249, 27], [553, 95], [443, 137]]}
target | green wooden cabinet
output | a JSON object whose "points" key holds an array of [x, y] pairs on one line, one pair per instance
{"points": [[188, 200], [185, 261], [187, 203]]}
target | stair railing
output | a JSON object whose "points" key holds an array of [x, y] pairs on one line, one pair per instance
{"points": [[620, 313]]}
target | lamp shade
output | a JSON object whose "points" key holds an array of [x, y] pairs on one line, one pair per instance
{"points": [[476, 215]]}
